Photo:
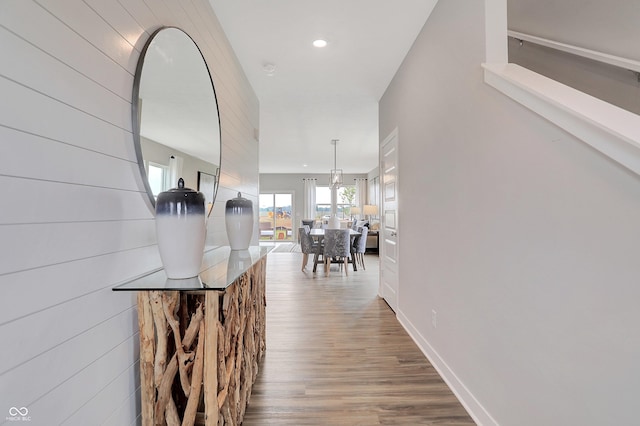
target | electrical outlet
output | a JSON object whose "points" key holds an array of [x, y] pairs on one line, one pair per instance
{"points": [[434, 318]]}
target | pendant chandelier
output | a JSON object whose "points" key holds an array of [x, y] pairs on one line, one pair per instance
{"points": [[335, 179]]}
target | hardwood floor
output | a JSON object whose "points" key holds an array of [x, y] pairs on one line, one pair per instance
{"points": [[336, 355]]}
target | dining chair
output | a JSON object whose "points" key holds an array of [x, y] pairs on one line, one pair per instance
{"points": [[336, 247], [360, 246], [307, 245], [305, 222]]}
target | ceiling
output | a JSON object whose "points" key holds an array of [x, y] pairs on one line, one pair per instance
{"points": [[314, 94]]}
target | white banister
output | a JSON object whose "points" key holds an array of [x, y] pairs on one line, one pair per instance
{"points": [[617, 61]]}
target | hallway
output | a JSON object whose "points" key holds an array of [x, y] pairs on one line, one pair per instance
{"points": [[336, 355]]}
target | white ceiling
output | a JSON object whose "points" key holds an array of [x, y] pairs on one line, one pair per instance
{"points": [[316, 95]]}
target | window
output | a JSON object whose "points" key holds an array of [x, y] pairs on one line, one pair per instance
{"points": [[346, 196], [374, 191], [276, 217], [158, 176]]}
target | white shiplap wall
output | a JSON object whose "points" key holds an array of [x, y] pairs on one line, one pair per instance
{"points": [[74, 220]]}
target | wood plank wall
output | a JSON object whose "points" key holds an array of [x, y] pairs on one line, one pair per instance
{"points": [[74, 220]]}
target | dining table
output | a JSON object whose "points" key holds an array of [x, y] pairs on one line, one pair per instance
{"points": [[318, 234]]}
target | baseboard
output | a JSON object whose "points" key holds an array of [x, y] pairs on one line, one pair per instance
{"points": [[468, 401]]}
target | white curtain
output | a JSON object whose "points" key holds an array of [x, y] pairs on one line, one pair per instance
{"points": [[361, 193], [175, 171], [309, 198]]}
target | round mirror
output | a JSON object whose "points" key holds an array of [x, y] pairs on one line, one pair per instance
{"points": [[176, 123]]}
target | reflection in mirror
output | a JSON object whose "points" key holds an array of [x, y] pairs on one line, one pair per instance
{"points": [[176, 119]]}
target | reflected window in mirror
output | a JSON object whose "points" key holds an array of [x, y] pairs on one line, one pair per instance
{"points": [[158, 178]]}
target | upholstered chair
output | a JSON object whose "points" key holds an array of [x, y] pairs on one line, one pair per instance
{"points": [[360, 246], [336, 247], [306, 222], [307, 245]]}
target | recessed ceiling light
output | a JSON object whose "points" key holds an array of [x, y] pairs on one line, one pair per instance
{"points": [[320, 43], [304, 165]]}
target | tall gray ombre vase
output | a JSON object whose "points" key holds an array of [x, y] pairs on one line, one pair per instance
{"points": [[239, 221], [181, 231]]}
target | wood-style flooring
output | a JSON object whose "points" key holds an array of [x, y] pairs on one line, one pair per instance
{"points": [[336, 355]]}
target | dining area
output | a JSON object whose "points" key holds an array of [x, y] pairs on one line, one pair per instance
{"points": [[333, 246]]}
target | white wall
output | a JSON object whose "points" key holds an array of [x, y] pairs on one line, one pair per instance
{"points": [[525, 247], [74, 220]]}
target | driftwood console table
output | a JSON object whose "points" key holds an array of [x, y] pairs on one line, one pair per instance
{"points": [[201, 339]]}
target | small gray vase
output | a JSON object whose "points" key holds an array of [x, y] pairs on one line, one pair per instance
{"points": [[239, 222]]}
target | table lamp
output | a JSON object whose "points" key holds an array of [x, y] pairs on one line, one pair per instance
{"points": [[355, 211], [370, 210]]}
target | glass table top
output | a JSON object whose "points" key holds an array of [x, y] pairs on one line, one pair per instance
{"points": [[221, 266]]}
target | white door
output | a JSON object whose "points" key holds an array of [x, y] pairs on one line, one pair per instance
{"points": [[389, 224]]}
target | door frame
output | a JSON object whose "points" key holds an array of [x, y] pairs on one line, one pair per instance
{"points": [[382, 233]]}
